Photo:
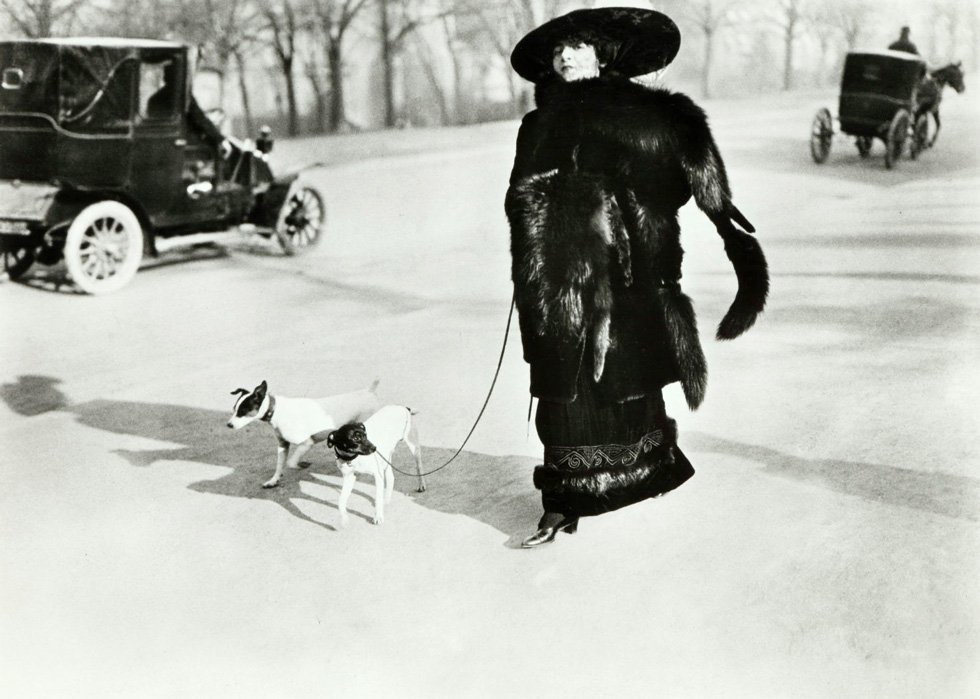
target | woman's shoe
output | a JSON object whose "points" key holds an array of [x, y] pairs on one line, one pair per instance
{"points": [[545, 535]]}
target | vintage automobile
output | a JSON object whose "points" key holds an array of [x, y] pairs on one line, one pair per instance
{"points": [[877, 100], [105, 155]]}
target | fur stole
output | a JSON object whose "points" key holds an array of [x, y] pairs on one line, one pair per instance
{"points": [[567, 236], [571, 249], [661, 143]]}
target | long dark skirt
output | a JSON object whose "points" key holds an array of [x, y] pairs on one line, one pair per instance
{"points": [[602, 456]]}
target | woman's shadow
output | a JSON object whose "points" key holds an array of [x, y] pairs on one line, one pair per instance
{"points": [[935, 492], [495, 490]]}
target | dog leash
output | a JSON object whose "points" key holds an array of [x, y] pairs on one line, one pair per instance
{"points": [[500, 362]]}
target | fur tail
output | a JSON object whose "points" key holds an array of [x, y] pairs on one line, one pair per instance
{"points": [[682, 333], [752, 271]]}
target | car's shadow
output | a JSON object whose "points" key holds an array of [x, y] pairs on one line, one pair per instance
{"points": [[55, 278], [495, 490]]}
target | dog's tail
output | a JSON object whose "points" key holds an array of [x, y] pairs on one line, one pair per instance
{"points": [[374, 386]]}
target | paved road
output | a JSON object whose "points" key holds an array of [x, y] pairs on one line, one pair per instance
{"points": [[826, 547]]}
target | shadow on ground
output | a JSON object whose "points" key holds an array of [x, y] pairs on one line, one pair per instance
{"points": [[55, 279], [938, 493], [33, 395], [495, 490]]}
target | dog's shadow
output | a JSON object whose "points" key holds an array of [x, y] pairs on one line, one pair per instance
{"points": [[495, 490]]}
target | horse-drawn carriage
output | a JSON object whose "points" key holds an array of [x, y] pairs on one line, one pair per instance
{"points": [[887, 95]]}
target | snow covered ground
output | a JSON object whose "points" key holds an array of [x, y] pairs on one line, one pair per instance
{"points": [[827, 546]]}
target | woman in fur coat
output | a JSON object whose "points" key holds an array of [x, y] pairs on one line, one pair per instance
{"points": [[602, 167]]}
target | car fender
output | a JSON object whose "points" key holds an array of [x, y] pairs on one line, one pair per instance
{"points": [[269, 202]]}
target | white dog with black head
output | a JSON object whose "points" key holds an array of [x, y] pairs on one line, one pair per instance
{"points": [[367, 447], [299, 423]]}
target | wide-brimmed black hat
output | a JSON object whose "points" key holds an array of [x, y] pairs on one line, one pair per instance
{"points": [[640, 41]]}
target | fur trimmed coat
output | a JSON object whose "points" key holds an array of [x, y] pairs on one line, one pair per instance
{"points": [[601, 169]]}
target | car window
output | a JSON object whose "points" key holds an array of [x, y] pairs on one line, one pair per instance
{"points": [[94, 89], [158, 91]]}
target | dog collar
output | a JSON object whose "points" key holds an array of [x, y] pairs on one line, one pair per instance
{"points": [[272, 408], [344, 456]]}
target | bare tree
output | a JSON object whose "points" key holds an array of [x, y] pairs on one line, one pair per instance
{"points": [[315, 74], [136, 18], [429, 66], [822, 19], [40, 18], [789, 17], [950, 15], [397, 19], [242, 67], [852, 18], [503, 23], [223, 31], [333, 20], [709, 17], [284, 24], [466, 45]]}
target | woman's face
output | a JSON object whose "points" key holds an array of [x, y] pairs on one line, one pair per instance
{"points": [[575, 61]]}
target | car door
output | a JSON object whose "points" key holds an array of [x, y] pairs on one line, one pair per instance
{"points": [[158, 142], [174, 170]]}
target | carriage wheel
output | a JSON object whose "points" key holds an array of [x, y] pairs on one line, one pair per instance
{"points": [[895, 141], [821, 134], [864, 145], [920, 136]]}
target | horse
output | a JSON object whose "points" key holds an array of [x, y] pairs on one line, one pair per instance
{"points": [[930, 92]]}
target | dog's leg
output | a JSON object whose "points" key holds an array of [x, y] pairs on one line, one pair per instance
{"points": [[297, 453], [282, 451], [379, 495], [389, 480], [415, 446], [345, 491]]}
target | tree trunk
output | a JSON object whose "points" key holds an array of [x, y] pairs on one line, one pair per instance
{"points": [[387, 69], [287, 70], [243, 87], [337, 116], [788, 60], [319, 96], [706, 68]]}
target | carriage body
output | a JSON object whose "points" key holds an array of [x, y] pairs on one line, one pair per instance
{"points": [[874, 87], [877, 101]]}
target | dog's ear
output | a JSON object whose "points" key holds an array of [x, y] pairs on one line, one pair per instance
{"points": [[239, 392], [261, 389]]}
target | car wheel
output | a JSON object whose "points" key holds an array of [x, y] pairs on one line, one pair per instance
{"points": [[15, 260], [301, 220], [103, 247]]}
